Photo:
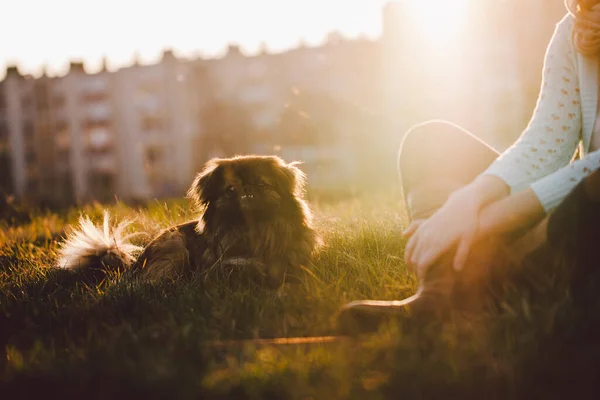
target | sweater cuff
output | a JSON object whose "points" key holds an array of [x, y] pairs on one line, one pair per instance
{"points": [[551, 193]]}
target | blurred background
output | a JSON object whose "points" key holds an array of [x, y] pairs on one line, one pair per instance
{"points": [[127, 99]]}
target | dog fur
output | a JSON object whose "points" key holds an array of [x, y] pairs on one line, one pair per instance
{"points": [[254, 221]]}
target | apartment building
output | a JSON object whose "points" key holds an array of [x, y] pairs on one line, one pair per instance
{"points": [[156, 115], [44, 124], [315, 82], [143, 131], [6, 178], [19, 121], [53, 180], [84, 109], [96, 136]]}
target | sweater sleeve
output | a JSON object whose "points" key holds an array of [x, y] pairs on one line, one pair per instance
{"points": [[551, 137], [552, 189]]}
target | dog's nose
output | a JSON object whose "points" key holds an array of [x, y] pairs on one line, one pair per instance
{"points": [[247, 193], [246, 198]]}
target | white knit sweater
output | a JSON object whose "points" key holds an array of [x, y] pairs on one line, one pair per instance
{"points": [[564, 118]]}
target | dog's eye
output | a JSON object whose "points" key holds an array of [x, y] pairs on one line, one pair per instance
{"points": [[230, 189]]}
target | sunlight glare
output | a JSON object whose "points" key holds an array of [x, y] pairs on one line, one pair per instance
{"points": [[119, 28], [439, 20]]}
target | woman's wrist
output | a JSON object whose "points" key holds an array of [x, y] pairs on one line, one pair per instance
{"points": [[488, 189], [484, 190], [512, 214]]}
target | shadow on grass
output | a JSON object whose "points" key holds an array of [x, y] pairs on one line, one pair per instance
{"points": [[76, 335]]}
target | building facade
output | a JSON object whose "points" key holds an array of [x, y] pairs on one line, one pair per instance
{"points": [[144, 131], [84, 137]]}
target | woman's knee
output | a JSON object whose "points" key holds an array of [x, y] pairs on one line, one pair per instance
{"points": [[442, 150], [424, 142]]}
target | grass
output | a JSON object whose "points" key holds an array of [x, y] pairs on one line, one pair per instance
{"points": [[65, 337]]}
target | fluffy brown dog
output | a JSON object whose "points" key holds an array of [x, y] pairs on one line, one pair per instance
{"points": [[254, 222]]}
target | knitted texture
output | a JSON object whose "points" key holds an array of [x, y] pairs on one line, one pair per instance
{"points": [[563, 118]]}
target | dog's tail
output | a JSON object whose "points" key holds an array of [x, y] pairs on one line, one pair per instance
{"points": [[93, 247]]}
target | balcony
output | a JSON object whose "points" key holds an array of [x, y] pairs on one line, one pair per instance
{"points": [[99, 111], [91, 98], [148, 103], [96, 84]]}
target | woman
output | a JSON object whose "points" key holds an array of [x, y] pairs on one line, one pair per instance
{"points": [[464, 198]]}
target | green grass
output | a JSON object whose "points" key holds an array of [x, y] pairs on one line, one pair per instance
{"points": [[72, 339]]}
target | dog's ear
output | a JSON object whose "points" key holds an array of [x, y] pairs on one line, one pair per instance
{"points": [[290, 178], [206, 186]]}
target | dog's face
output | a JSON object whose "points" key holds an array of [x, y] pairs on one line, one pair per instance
{"points": [[253, 211], [252, 186]]}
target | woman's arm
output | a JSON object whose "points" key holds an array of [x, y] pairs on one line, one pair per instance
{"points": [[550, 140], [488, 189], [523, 210], [512, 214], [547, 145], [554, 188]]}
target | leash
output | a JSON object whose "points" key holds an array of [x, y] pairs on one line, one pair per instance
{"points": [[282, 341]]}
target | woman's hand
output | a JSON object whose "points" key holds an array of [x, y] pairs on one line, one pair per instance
{"points": [[455, 224]]}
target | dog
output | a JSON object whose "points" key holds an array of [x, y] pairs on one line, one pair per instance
{"points": [[254, 221]]}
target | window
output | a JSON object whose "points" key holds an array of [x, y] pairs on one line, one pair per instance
{"points": [[99, 138], [92, 124], [153, 156], [94, 97]]}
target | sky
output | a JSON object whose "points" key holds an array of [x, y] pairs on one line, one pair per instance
{"points": [[35, 33]]}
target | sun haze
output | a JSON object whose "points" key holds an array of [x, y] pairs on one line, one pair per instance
{"points": [[50, 33], [441, 19]]}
